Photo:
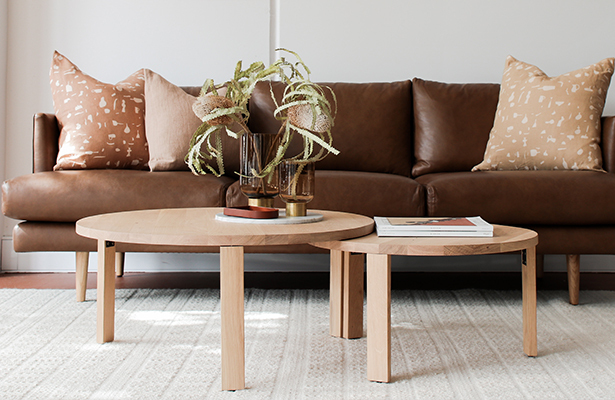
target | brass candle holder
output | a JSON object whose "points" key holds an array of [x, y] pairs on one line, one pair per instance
{"points": [[261, 202]]}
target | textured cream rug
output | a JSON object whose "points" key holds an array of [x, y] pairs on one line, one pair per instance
{"points": [[445, 344]]}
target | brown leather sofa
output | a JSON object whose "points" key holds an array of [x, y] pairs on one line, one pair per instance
{"points": [[406, 149]]}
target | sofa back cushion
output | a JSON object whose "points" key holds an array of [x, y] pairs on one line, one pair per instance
{"points": [[452, 124], [372, 131]]}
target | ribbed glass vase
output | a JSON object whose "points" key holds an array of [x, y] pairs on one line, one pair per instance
{"points": [[257, 151]]}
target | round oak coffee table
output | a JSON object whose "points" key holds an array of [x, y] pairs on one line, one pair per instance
{"points": [[379, 250], [198, 227]]}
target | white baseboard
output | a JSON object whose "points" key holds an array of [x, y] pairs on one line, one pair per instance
{"points": [[190, 262]]}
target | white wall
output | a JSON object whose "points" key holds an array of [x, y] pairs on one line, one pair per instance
{"points": [[3, 63], [186, 41], [344, 40], [445, 40]]}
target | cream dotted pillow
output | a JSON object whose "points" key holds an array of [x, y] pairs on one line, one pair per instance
{"points": [[548, 123], [102, 124]]}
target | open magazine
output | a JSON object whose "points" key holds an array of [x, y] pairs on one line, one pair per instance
{"points": [[435, 226]]}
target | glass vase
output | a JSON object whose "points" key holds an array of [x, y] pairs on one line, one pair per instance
{"points": [[296, 186], [257, 151]]}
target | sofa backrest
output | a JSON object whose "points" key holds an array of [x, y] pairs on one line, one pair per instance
{"points": [[372, 131], [452, 124]]}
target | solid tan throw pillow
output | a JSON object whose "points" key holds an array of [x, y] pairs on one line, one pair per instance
{"points": [[102, 124], [548, 123], [170, 124]]}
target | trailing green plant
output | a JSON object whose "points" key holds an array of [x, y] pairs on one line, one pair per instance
{"points": [[304, 109]]}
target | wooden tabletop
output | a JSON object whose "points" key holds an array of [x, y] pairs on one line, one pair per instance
{"points": [[198, 227], [505, 239]]}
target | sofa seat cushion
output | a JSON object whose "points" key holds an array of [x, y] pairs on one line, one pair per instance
{"points": [[524, 197], [66, 196], [568, 239], [365, 193]]}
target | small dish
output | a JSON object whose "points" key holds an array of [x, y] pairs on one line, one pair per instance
{"points": [[252, 212]]}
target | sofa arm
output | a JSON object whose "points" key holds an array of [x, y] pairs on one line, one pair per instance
{"points": [[45, 142], [608, 144]]}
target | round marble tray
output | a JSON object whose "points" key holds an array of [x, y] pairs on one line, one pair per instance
{"points": [[281, 220]]}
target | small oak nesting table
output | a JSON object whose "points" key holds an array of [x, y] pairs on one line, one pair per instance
{"points": [[379, 250], [198, 227]]}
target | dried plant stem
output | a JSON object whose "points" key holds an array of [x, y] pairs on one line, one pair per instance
{"points": [[295, 181], [260, 165], [301, 98]]}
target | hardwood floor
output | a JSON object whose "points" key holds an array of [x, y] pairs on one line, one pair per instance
{"points": [[309, 280]]}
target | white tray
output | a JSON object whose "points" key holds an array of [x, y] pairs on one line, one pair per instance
{"points": [[281, 220]]}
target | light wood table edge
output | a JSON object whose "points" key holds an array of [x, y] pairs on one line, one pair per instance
{"points": [[88, 227], [387, 245]]}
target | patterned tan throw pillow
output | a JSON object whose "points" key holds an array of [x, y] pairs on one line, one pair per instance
{"points": [[102, 124], [548, 123]]}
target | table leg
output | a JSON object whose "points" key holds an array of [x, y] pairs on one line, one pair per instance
{"points": [[105, 292], [530, 338], [346, 293], [379, 317], [232, 317], [336, 290]]}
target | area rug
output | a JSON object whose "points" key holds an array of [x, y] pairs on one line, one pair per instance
{"points": [[445, 345]]}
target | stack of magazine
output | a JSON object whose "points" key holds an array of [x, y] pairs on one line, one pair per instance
{"points": [[457, 226]]}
